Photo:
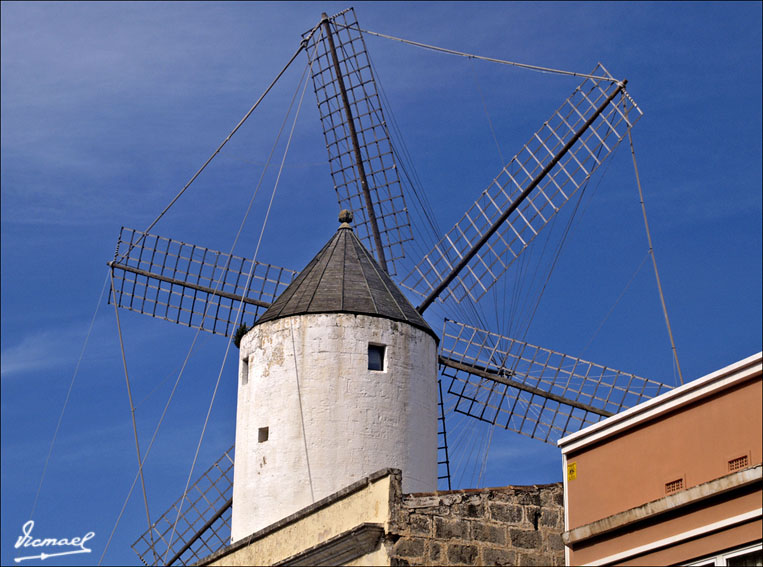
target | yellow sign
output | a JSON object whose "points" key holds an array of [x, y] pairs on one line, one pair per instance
{"points": [[572, 471]]}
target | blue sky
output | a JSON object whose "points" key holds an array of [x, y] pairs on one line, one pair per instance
{"points": [[109, 108]]}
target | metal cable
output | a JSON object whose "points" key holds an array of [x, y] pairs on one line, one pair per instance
{"points": [[484, 459], [491, 59], [155, 388], [487, 115], [150, 444], [558, 252], [530, 410], [467, 439], [302, 45], [66, 400], [404, 156], [611, 309], [238, 316], [589, 195], [498, 324], [401, 157], [301, 413], [424, 209], [501, 325], [654, 260], [198, 331], [132, 414], [475, 310]]}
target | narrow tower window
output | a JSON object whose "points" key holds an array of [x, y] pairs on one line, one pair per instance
{"points": [[262, 434], [244, 371], [376, 357]]}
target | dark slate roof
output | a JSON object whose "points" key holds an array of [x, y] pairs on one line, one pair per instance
{"points": [[344, 278]]}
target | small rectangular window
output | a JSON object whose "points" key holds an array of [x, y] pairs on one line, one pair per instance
{"points": [[262, 434], [376, 357]]}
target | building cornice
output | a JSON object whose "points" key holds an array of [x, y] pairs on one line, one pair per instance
{"points": [[692, 392], [629, 518], [342, 549]]}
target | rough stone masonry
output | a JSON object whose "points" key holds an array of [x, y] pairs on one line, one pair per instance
{"points": [[519, 525]]}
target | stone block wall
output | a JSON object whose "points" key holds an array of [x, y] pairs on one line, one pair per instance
{"points": [[520, 525]]}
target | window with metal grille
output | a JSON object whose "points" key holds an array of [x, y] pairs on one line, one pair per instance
{"points": [[674, 486], [738, 463]]}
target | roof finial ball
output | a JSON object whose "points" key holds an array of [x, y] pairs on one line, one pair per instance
{"points": [[345, 217]]}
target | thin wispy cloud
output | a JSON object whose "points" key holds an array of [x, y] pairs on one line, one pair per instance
{"points": [[49, 348], [74, 105], [60, 346]]}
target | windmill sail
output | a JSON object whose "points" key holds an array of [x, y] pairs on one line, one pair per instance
{"points": [[203, 524], [533, 390], [559, 158], [368, 132], [191, 285]]}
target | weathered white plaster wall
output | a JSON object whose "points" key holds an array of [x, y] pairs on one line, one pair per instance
{"points": [[355, 421]]}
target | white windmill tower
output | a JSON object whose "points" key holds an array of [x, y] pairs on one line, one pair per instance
{"points": [[337, 379], [338, 376]]}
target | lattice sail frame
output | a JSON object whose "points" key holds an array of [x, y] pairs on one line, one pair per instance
{"points": [[524, 224], [204, 525], [443, 459], [550, 379], [373, 136], [175, 281]]}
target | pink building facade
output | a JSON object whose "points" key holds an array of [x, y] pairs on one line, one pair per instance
{"points": [[675, 480]]}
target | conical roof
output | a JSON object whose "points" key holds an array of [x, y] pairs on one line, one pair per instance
{"points": [[344, 278]]}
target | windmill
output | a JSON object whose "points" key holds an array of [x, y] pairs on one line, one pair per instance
{"points": [[496, 379]]}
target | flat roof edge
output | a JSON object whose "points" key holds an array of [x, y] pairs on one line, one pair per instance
{"points": [[325, 502], [692, 391]]}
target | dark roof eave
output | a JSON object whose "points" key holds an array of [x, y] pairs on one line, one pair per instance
{"points": [[426, 328]]}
